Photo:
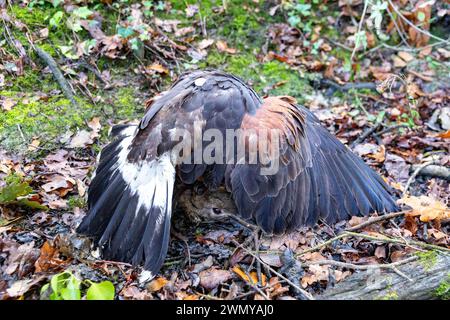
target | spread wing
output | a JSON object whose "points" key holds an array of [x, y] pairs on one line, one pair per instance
{"points": [[318, 176], [199, 100]]}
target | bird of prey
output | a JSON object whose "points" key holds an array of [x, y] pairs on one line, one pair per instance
{"points": [[130, 198]]}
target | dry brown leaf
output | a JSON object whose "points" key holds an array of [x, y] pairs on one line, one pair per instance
{"points": [[34, 145], [316, 273], [211, 278], [411, 224], [406, 56], [21, 287], [94, 124], [158, 68], [81, 139], [157, 284], [222, 46], [49, 259], [398, 62], [59, 184], [427, 208], [380, 252], [205, 43], [8, 104], [444, 135], [253, 279]]}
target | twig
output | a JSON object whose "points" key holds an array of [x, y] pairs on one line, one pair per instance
{"points": [[50, 62], [305, 293], [348, 86], [360, 266], [413, 25], [377, 219], [414, 175], [433, 170], [391, 128], [366, 2], [255, 286], [365, 134], [319, 246], [387, 239]]}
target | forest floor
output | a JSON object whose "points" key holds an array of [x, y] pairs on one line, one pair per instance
{"points": [[378, 81]]}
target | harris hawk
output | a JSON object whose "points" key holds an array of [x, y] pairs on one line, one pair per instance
{"points": [[130, 198]]}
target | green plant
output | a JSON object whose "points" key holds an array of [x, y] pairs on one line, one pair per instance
{"points": [[298, 14], [66, 286], [17, 191]]}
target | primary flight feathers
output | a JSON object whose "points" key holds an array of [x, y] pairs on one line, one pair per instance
{"points": [[130, 197]]}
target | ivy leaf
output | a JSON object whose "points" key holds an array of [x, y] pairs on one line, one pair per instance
{"points": [[56, 19], [68, 51], [82, 12], [101, 291], [124, 32]]}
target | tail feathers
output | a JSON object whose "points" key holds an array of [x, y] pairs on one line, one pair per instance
{"points": [[130, 206]]}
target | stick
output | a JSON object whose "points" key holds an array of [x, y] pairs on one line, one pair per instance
{"points": [[377, 219], [305, 293], [365, 134], [414, 175], [59, 77], [387, 239], [433, 170]]}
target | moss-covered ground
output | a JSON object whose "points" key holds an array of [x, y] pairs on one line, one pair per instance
{"points": [[42, 112]]}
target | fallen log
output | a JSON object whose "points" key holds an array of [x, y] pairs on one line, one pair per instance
{"points": [[425, 277]]}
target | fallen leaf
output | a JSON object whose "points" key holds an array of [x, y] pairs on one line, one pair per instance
{"points": [[444, 135], [81, 139], [205, 264], [49, 259], [8, 104], [427, 208], [158, 68], [398, 62], [21, 287], [59, 184], [380, 252], [157, 284], [34, 145], [94, 124], [406, 56], [410, 223], [205, 43], [253, 279], [211, 278], [315, 274], [222, 46]]}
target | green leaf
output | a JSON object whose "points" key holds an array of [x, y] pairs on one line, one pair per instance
{"points": [[58, 281], [124, 32], [56, 19], [294, 20], [72, 289], [14, 188], [31, 204], [82, 12], [68, 51], [57, 2], [101, 291]]}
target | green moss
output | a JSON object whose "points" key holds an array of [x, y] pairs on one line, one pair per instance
{"points": [[390, 295], [273, 77], [443, 291], [76, 202], [427, 259]]}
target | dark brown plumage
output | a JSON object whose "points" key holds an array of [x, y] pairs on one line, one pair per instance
{"points": [[130, 197]]}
